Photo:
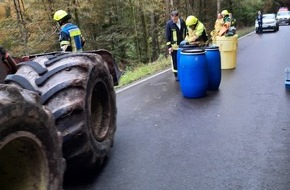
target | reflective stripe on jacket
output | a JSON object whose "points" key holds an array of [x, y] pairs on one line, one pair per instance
{"points": [[174, 35], [70, 35]]}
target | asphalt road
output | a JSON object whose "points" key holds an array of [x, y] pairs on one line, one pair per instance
{"points": [[235, 138]]}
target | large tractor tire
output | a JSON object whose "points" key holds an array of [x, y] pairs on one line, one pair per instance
{"points": [[79, 91], [30, 148]]}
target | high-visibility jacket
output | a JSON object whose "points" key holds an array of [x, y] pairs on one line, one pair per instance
{"points": [[227, 21], [175, 35], [198, 34], [233, 22], [218, 24], [71, 36], [227, 24]]}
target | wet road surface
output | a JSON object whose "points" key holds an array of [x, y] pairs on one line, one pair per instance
{"points": [[235, 138]]}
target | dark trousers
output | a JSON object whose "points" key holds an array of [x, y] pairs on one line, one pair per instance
{"points": [[260, 30], [174, 61]]}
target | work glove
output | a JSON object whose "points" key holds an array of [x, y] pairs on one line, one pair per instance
{"points": [[184, 42]]}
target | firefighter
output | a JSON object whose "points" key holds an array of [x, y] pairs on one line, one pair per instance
{"points": [[219, 23], [70, 37], [175, 33], [217, 27], [227, 23], [196, 32]]}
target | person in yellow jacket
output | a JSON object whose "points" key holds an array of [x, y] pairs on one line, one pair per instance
{"points": [[196, 32], [217, 27], [226, 23], [219, 22]]}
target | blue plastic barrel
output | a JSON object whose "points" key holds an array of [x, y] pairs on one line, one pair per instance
{"points": [[178, 53], [192, 73], [183, 47], [214, 67]]}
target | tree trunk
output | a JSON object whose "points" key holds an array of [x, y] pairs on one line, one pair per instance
{"points": [[154, 38], [136, 41], [218, 6], [168, 8], [19, 8], [76, 15], [145, 56]]}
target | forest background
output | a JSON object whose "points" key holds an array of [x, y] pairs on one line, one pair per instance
{"points": [[132, 30]]}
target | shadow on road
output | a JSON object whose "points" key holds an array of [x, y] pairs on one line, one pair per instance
{"points": [[82, 179]]}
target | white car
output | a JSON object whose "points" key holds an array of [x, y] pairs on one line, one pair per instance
{"points": [[283, 17], [270, 22]]}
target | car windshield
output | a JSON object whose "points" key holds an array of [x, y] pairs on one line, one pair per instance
{"points": [[283, 13]]}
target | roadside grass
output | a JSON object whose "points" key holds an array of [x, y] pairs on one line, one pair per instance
{"points": [[244, 31], [141, 71]]}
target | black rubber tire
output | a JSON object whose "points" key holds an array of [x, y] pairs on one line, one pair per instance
{"points": [[79, 91], [30, 148]]}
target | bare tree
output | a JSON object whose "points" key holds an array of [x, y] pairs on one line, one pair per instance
{"points": [[154, 36], [19, 8]]}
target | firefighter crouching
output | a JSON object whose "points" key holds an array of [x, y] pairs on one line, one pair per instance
{"points": [[175, 33], [226, 23], [196, 32]]}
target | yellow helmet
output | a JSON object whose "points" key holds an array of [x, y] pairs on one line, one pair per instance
{"points": [[191, 20], [225, 12], [59, 15]]}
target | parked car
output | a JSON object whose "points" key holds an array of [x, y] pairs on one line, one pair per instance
{"points": [[270, 22], [283, 9], [283, 17]]}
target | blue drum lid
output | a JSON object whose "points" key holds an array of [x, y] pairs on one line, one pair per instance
{"points": [[193, 51], [188, 46], [211, 48]]}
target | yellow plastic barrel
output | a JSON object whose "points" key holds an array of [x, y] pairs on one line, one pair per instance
{"points": [[228, 46]]}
